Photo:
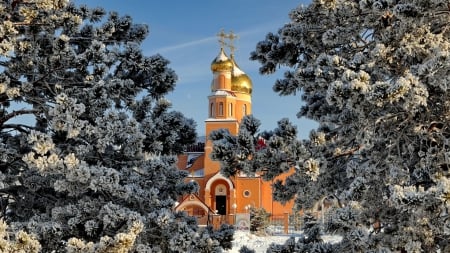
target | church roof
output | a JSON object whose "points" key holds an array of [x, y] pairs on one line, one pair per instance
{"points": [[221, 62], [240, 82]]}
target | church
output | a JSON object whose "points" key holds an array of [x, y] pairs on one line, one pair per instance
{"points": [[229, 101]]}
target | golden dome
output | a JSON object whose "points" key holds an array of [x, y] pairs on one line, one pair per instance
{"points": [[240, 81], [221, 62]]}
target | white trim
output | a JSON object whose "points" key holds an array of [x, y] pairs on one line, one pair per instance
{"points": [[221, 120], [217, 177], [192, 203]]}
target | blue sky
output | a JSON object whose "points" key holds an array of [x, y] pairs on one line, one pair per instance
{"points": [[184, 32]]}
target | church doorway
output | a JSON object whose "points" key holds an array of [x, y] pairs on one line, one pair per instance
{"points": [[221, 199], [221, 205]]}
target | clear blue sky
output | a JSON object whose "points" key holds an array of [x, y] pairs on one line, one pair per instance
{"points": [[184, 32]]}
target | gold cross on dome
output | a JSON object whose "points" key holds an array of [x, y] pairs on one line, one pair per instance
{"points": [[222, 36], [231, 37]]}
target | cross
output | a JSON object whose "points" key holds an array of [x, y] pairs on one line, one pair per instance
{"points": [[222, 36], [231, 37]]}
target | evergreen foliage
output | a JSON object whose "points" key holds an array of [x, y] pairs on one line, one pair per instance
{"points": [[259, 220], [87, 139], [245, 249], [374, 74], [20, 242]]}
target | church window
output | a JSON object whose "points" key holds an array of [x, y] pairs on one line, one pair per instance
{"points": [[231, 109], [211, 110], [221, 109], [246, 193], [244, 110]]}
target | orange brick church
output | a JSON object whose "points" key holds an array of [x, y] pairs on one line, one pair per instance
{"points": [[230, 100]]}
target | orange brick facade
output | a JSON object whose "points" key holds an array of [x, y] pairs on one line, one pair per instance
{"points": [[228, 103]]}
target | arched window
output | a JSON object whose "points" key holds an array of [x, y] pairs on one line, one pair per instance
{"points": [[211, 110], [221, 109], [231, 109], [244, 110]]}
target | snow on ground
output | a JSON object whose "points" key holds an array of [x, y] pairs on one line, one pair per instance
{"points": [[261, 243]]}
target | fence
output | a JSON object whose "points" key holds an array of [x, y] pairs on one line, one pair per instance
{"points": [[282, 224], [285, 224]]}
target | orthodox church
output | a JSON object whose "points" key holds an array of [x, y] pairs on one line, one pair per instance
{"points": [[229, 101]]}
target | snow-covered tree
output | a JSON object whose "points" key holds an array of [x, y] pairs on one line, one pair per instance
{"points": [[87, 139], [375, 75], [20, 242], [259, 220]]}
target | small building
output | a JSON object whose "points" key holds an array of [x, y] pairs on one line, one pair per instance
{"points": [[230, 100]]}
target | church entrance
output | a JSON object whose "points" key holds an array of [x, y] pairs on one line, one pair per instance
{"points": [[221, 205], [221, 199]]}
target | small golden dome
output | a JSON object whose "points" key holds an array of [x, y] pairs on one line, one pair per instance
{"points": [[240, 82], [221, 62]]}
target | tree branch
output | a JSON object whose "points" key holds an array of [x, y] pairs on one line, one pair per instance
{"points": [[18, 127]]}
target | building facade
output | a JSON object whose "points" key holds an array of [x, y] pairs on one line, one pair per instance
{"points": [[229, 101]]}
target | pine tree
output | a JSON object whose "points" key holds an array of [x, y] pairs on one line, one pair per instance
{"points": [[259, 220], [87, 139], [374, 75]]}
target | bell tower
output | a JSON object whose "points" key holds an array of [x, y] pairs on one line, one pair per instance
{"points": [[229, 101], [230, 97]]}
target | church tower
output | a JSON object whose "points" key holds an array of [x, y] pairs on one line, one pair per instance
{"points": [[230, 99], [228, 103]]}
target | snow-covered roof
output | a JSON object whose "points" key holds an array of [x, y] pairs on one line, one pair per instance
{"points": [[222, 93], [221, 57], [237, 71]]}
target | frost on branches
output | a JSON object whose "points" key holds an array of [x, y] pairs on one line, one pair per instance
{"points": [[87, 139], [375, 75]]}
